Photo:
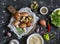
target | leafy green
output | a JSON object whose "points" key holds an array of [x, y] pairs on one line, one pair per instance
{"points": [[55, 18], [19, 30], [58, 12]]}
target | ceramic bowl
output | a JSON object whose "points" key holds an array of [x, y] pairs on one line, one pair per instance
{"points": [[35, 34]]}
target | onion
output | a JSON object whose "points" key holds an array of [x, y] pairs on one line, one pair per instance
{"points": [[42, 22]]}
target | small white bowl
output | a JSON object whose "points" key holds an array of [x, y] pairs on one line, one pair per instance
{"points": [[35, 34], [14, 40], [45, 12]]}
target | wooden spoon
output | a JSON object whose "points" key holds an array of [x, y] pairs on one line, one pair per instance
{"points": [[15, 13], [11, 9]]}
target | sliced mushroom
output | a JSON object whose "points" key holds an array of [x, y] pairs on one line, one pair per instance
{"points": [[24, 14], [30, 18], [28, 24], [16, 23], [22, 25], [26, 20], [24, 29], [22, 19], [17, 16]]}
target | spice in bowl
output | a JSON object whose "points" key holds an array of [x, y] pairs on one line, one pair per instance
{"points": [[43, 10], [34, 5]]}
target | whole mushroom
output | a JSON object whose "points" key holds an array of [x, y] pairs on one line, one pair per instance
{"points": [[17, 16]]}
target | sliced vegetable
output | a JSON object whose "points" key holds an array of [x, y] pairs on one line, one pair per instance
{"points": [[46, 36]]}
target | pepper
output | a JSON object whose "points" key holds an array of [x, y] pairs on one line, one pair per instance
{"points": [[48, 27]]}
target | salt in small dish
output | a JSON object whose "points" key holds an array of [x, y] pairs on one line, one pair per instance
{"points": [[43, 10]]}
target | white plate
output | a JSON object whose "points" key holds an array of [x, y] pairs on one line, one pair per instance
{"points": [[35, 34]]}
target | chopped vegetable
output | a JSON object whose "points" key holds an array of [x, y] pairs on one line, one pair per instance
{"points": [[46, 36]]}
